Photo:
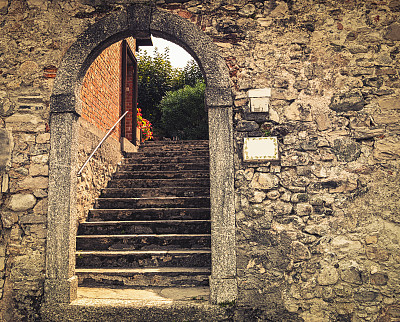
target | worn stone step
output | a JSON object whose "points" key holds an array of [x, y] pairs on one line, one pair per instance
{"points": [[179, 174], [149, 214], [152, 192], [166, 153], [155, 183], [143, 242], [156, 202], [174, 142], [145, 227], [136, 259], [174, 145], [169, 160], [133, 166], [144, 277]]}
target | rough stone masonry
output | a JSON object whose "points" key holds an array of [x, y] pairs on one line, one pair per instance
{"points": [[318, 231]]}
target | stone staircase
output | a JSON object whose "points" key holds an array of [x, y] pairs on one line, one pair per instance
{"points": [[151, 225]]}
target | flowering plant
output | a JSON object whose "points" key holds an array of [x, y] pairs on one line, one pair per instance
{"points": [[144, 125]]}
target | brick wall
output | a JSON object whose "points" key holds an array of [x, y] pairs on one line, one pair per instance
{"points": [[129, 103], [101, 90]]}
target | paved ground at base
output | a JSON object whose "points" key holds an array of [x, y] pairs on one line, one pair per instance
{"points": [[123, 304], [146, 296]]}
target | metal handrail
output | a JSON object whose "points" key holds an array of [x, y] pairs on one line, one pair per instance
{"points": [[101, 142]]}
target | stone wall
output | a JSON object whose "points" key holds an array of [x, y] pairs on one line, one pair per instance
{"points": [[316, 240], [98, 171], [317, 231]]}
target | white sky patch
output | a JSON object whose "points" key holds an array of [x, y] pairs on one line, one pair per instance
{"points": [[177, 55]]}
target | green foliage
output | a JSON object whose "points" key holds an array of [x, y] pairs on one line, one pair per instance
{"points": [[189, 75], [227, 304], [183, 113], [156, 77]]}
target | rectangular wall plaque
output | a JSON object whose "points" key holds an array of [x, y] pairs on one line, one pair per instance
{"points": [[260, 149]]}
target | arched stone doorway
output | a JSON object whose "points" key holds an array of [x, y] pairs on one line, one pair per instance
{"points": [[138, 21]]}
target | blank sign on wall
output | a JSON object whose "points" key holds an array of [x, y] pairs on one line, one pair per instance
{"points": [[259, 149]]}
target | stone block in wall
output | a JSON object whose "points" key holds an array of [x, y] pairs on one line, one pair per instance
{"points": [[344, 246], [37, 169], [348, 101], [5, 148], [34, 183], [320, 229], [323, 121], [298, 112], [380, 279], [377, 254], [21, 202], [387, 117], [346, 149], [393, 32], [43, 138], [351, 273], [389, 103], [294, 158], [41, 207], [33, 219], [25, 122], [246, 126], [363, 133], [328, 276], [8, 218], [264, 181], [4, 183], [7, 107], [387, 149], [300, 252], [281, 208]]}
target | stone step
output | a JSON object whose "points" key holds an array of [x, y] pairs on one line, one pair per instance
{"points": [[138, 259], [143, 242], [174, 145], [152, 192], [152, 223], [144, 277], [175, 142], [167, 153], [163, 160], [156, 202], [145, 227], [179, 174], [149, 214], [133, 166], [156, 183]]}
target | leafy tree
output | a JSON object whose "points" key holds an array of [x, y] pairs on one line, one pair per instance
{"points": [[156, 77], [189, 75], [183, 113]]}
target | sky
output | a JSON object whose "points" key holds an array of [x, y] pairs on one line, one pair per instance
{"points": [[178, 56]]}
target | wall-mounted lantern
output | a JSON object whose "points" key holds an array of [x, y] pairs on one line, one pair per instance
{"points": [[259, 99]]}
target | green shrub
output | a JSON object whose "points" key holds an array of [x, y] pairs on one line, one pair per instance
{"points": [[183, 113]]}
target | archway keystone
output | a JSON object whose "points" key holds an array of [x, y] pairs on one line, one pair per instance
{"points": [[138, 21]]}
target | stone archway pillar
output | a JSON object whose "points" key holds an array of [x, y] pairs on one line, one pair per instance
{"points": [[223, 284], [61, 282]]}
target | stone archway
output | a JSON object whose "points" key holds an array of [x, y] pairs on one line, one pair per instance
{"points": [[138, 21]]}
